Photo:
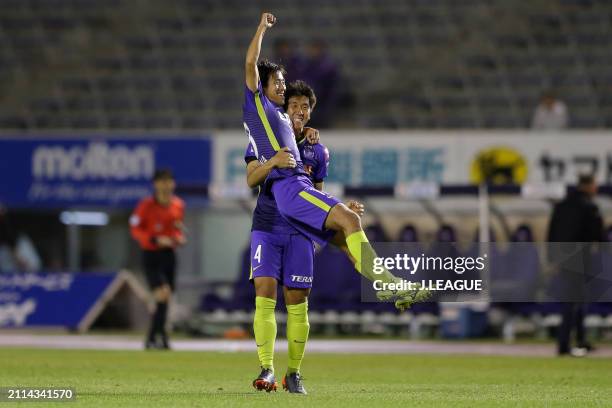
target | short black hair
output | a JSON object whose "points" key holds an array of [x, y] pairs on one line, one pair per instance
{"points": [[549, 94], [585, 180], [266, 68], [163, 174], [300, 88]]}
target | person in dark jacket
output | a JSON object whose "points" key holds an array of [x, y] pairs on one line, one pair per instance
{"points": [[576, 220]]}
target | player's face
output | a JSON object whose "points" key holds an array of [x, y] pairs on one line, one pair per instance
{"points": [[299, 110], [275, 90], [164, 187]]}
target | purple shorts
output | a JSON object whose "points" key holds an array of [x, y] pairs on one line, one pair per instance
{"points": [[286, 257], [304, 207]]}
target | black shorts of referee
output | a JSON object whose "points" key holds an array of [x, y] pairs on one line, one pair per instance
{"points": [[160, 267]]}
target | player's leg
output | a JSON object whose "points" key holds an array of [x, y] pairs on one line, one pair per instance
{"points": [[264, 327], [565, 328], [339, 241], [153, 267], [162, 299], [316, 213], [298, 328], [298, 262], [169, 271], [357, 245], [265, 271], [346, 221]]}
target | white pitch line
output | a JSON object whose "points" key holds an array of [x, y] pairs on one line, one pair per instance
{"points": [[96, 342]]}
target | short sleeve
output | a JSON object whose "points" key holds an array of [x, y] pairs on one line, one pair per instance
{"points": [[322, 160], [249, 154], [249, 96]]}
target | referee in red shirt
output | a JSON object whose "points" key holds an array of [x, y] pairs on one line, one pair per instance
{"points": [[157, 225]]}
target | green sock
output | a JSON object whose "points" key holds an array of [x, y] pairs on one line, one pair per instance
{"points": [[355, 242], [264, 326], [297, 334]]}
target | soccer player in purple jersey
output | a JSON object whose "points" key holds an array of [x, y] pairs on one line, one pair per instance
{"points": [[312, 212], [280, 253]]}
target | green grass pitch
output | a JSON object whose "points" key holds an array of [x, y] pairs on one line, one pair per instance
{"points": [[198, 379]]}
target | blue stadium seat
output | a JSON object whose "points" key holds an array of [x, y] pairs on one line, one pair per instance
{"points": [[243, 293], [408, 234], [192, 41], [336, 285]]}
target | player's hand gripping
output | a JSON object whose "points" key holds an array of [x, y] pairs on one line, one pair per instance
{"points": [[283, 159], [356, 206], [164, 241], [267, 20], [312, 135]]}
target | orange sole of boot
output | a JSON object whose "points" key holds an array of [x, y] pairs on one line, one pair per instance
{"points": [[264, 385]]}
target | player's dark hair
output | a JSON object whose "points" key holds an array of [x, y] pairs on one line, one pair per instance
{"points": [[163, 174], [549, 94], [300, 88], [585, 180], [267, 68]]}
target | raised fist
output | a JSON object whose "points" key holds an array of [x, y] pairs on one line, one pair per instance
{"points": [[267, 20]]}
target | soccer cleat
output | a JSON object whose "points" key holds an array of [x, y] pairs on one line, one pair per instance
{"points": [[404, 298], [165, 345], [265, 381], [150, 345], [578, 352], [293, 383], [157, 343]]}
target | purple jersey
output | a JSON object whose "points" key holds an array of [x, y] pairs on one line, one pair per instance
{"points": [[266, 216], [269, 129]]}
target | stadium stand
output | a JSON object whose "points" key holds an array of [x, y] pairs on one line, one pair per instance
{"points": [[408, 64]]}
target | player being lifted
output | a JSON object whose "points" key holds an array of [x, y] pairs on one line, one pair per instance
{"points": [[315, 214], [280, 253]]}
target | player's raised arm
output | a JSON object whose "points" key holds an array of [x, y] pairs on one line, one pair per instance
{"points": [[252, 76]]}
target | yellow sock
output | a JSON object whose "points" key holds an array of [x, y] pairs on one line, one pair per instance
{"points": [[297, 334], [264, 326], [357, 243]]}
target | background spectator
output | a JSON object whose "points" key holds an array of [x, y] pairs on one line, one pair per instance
{"points": [[550, 114], [577, 220], [286, 54], [17, 251], [322, 74]]}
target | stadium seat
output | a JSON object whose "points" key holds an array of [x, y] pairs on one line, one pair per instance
{"points": [[243, 293], [189, 41]]}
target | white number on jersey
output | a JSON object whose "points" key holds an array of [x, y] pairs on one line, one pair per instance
{"points": [[258, 254], [251, 140]]}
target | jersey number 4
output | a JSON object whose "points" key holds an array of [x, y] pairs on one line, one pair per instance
{"points": [[258, 254]]}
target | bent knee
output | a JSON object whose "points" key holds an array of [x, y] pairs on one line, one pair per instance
{"points": [[341, 218], [265, 287], [346, 218], [295, 296]]}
